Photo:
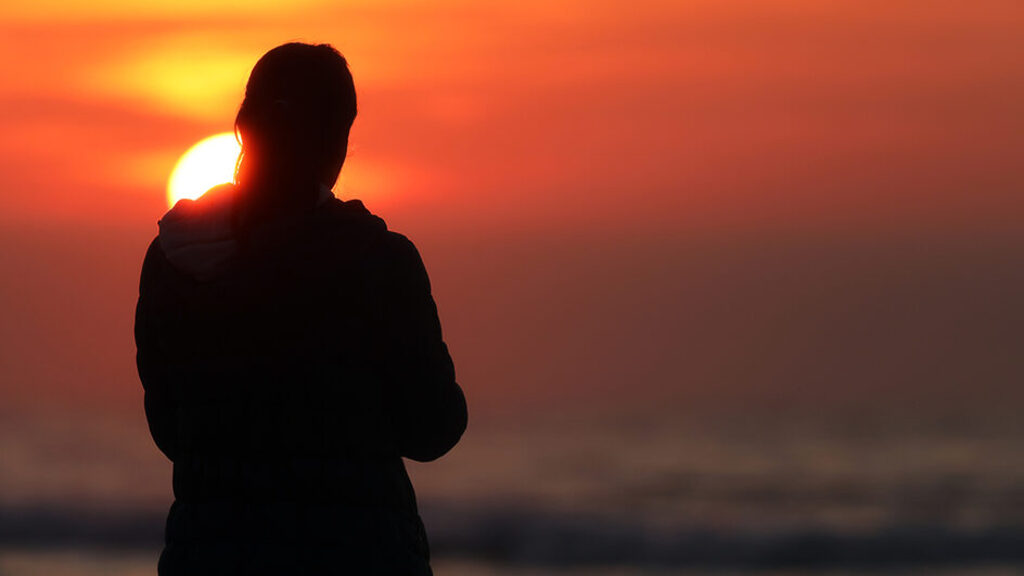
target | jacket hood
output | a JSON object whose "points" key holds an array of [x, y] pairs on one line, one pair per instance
{"points": [[197, 236]]}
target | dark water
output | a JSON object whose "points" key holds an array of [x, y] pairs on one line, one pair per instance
{"points": [[772, 496]]}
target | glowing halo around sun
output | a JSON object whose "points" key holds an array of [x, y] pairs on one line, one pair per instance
{"points": [[209, 162]]}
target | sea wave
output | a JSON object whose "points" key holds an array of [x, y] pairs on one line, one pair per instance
{"points": [[519, 535]]}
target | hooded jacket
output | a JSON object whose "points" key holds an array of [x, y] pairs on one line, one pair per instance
{"points": [[287, 371]]}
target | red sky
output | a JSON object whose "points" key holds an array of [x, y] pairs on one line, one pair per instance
{"points": [[728, 201]]}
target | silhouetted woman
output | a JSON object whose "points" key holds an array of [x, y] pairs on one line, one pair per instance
{"points": [[291, 353]]}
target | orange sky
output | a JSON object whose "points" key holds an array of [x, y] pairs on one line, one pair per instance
{"points": [[778, 111], [544, 133]]}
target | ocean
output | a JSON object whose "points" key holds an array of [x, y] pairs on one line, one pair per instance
{"points": [[738, 494]]}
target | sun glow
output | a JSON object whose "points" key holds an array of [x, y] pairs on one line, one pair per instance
{"points": [[210, 162]]}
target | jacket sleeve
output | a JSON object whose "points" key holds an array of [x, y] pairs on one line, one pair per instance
{"points": [[151, 359], [428, 407]]}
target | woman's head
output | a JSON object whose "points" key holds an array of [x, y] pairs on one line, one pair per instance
{"points": [[294, 122]]}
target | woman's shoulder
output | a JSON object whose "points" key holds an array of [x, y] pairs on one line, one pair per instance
{"points": [[352, 216]]}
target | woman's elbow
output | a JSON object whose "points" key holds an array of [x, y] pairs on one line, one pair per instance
{"points": [[437, 437]]}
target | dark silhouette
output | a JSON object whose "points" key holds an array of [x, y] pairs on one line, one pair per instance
{"points": [[291, 352]]}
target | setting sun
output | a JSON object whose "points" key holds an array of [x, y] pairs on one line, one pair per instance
{"points": [[209, 162]]}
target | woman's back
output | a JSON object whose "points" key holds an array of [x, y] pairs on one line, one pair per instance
{"points": [[287, 373]]}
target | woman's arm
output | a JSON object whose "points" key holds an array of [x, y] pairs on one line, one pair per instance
{"points": [[150, 358], [429, 408]]}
